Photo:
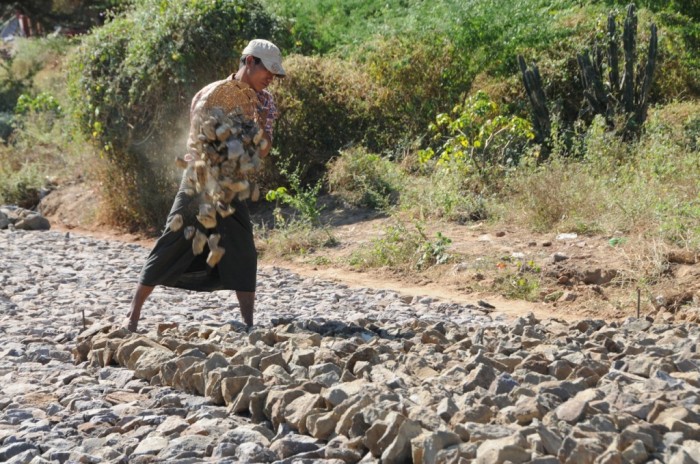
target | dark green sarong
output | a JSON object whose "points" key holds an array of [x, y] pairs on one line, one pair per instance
{"points": [[172, 263]]}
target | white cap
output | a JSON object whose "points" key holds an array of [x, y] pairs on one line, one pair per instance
{"points": [[268, 53]]}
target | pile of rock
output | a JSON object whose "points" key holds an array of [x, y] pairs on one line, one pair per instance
{"points": [[224, 148], [20, 218], [532, 391], [53, 411]]}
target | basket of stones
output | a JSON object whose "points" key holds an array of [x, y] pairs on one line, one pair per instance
{"points": [[224, 150]]}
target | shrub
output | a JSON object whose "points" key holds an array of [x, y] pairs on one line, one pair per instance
{"points": [[365, 179], [6, 120], [423, 75], [561, 195], [478, 141], [43, 102], [296, 238], [39, 136], [43, 109], [42, 146], [132, 82], [300, 231], [19, 185], [518, 280], [689, 8], [443, 194], [679, 62], [648, 186], [302, 199], [403, 249], [691, 129], [326, 104], [425, 55], [19, 67]]}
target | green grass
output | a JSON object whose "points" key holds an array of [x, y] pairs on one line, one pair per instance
{"points": [[647, 186], [403, 248]]}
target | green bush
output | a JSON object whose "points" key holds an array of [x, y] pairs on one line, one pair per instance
{"points": [[6, 120], [648, 186], [39, 136], [678, 71], [477, 138], [428, 54], [19, 67], [691, 130], [423, 75], [471, 151], [132, 82], [689, 8], [302, 199], [445, 194], [326, 104], [365, 179], [19, 185], [296, 238], [403, 249], [41, 146], [43, 102]]}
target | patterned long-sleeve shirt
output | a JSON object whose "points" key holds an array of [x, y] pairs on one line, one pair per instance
{"points": [[267, 106]]}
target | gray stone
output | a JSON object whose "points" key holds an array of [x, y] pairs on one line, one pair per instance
{"points": [[544, 460], [551, 439], [293, 444], [254, 452], [481, 376], [504, 383], [580, 450], [33, 221], [680, 456], [342, 449], [242, 402], [192, 446], [500, 450], [339, 393], [12, 449], [25, 457], [425, 447], [635, 453], [399, 450]]}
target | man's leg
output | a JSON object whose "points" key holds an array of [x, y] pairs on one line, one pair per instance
{"points": [[142, 292], [246, 301]]}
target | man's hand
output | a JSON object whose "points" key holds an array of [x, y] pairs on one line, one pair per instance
{"points": [[263, 153], [262, 117]]}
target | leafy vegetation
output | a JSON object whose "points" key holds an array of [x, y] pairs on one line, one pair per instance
{"points": [[477, 140], [365, 179], [403, 249], [132, 81], [302, 199], [298, 229], [40, 144]]}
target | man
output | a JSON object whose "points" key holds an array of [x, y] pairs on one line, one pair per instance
{"points": [[172, 262]]}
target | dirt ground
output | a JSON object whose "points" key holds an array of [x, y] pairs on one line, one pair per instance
{"points": [[557, 274]]}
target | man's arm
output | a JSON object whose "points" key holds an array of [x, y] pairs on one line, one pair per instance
{"points": [[266, 119]]}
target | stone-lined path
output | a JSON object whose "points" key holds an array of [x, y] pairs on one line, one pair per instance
{"points": [[52, 283], [331, 375]]}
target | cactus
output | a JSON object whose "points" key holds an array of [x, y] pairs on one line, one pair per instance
{"points": [[628, 95], [540, 115], [619, 95]]}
